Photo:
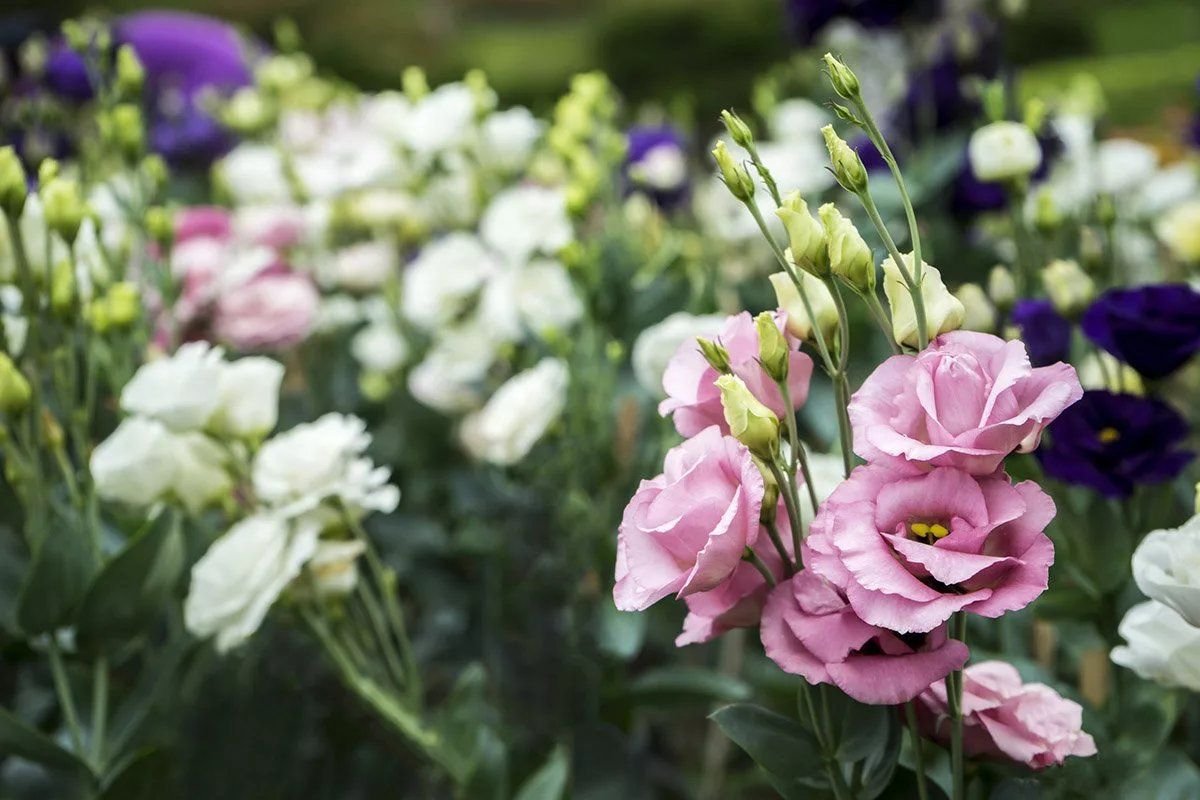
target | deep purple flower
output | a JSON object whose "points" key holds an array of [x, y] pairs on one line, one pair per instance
{"points": [[806, 18], [1045, 332], [656, 163], [1114, 442], [1154, 329]]}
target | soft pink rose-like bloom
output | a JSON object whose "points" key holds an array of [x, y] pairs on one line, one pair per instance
{"points": [[966, 401], [689, 380], [271, 311], [684, 531], [809, 629], [1002, 717], [278, 227], [210, 222], [909, 550]]}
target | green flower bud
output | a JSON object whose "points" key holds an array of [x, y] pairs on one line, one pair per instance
{"points": [[286, 34], [131, 76], [1070, 288], [127, 131], [96, 314], [1002, 287], [739, 131], [995, 101], [62, 288], [64, 207], [155, 169], [819, 298], [13, 187], [850, 257], [1046, 215], [415, 84], [47, 171], [247, 111], [123, 304], [750, 422], [716, 355], [980, 313], [736, 178], [15, 391], [160, 224], [806, 236], [844, 81], [773, 350], [1106, 210], [847, 166]]}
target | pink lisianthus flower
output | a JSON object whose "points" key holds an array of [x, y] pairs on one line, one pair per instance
{"points": [[689, 381], [208, 222], [909, 550], [271, 311], [1029, 723], [966, 401], [809, 629], [685, 531]]}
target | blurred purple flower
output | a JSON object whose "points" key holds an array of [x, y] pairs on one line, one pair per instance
{"points": [[656, 163], [1046, 334], [1154, 329], [806, 18]]}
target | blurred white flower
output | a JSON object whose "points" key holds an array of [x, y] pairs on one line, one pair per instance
{"points": [[181, 391], [237, 581], [526, 220], [1124, 165], [442, 120], [364, 266], [798, 118], [979, 313], [1003, 151], [449, 378], [379, 347], [201, 476], [663, 168], [798, 165], [1179, 231], [248, 391], [508, 137], [657, 344], [137, 464], [1166, 567], [334, 566], [1160, 646], [538, 297], [518, 414], [254, 173], [337, 311], [388, 114], [1168, 187], [443, 277]]}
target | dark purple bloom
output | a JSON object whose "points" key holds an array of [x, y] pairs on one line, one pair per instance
{"points": [[1046, 333], [1114, 442], [656, 163], [806, 18], [1154, 329]]}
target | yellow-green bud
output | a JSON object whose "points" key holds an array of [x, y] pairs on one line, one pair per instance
{"points": [[62, 288], [127, 130], [47, 171], [739, 131], [1035, 114], [806, 236], [287, 35], [850, 257], [123, 304], [1046, 215], [844, 81], [819, 298], [160, 224], [485, 97], [131, 75], [1002, 287], [716, 355], [980, 313], [1106, 210], [579, 199], [773, 350], [154, 167], [995, 101], [64, 208], [96, 313], [1070, 288], [13, 186], [375, 386], [847, 165], [247, 111], [735, 176], [750, 422], [14, 388], [415, 84]]}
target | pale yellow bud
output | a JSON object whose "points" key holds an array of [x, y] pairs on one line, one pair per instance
{"points": [[844, 81], [980, 314], [1002, 287], [735, 176], [847, 166], [15, 391], [824, 309], [64, 209], [773, 350], [13, 187], [806, 236], [1179, 231], [1068, 286], [750, 422], [943, 311], [850, 257]]}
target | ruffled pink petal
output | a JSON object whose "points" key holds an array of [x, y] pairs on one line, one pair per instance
{"points": [[889, 680], [944, 565]]}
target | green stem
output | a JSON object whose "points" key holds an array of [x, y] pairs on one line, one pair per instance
{"points": [[761, 565], [954, 693], [799, 459], [777, 540], [842, 390], [377, 624], [787, 488], [99, 709], [63, 689], [1025, 265], [910, 281], [910, 715]]}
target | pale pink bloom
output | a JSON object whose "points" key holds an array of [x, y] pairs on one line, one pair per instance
{"points": [[689, 381], [271, 311], [909, 550], [210, 222], [684, 531], [276, 226], [966, 401], [1029, 723], [809, 629]]}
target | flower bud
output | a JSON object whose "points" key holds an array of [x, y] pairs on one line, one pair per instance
{"points": [[736, 178], [750, 422], [850, 257], [824, 309], [1179, 231], [1091, 249], [1106, 210], [62, 288], [1068, 286], [980, 313], [414, 83], [773, 350], [1046, 215], [13, 186], [123, 304], [47, 171], [847, 166], [1003, 151], [63, 206], [127, 130], [154, 167], [1002, 287], [716, 355], [943, 311], [160, 224], [844, 81], [739, 131], [15, 391], [806, 236], [247, 111], [131, 75]]}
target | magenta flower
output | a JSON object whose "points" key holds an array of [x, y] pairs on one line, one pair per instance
{"points": [[809, 629], [208, 222], [966, 401], [1029, 723], [909, 550], [692, 396], [685, 530]]}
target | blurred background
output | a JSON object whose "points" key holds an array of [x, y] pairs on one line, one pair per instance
{"points": [[700, 55]]}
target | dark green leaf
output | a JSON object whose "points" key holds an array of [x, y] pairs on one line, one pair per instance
{"points": [[785, 750], [550, 781], [19, 739], [676, 685], [61, 570], [143, 777]]}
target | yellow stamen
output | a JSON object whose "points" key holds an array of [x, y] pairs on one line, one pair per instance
{"points": [[939, 531], [1108, 435], [919, 528]]}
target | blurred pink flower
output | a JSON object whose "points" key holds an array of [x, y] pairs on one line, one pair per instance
{"points": [[271, 311], [910, 550], [211, 222], [1029, 723], [693, 398], [966, 401]]}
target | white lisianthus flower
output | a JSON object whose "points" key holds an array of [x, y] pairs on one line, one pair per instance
{"points": [[248, 392], [538, 297], [1166, 567], [449, 378], [137, 464], [16, 326], [799, 164], [1124, 165], [334, 566], [657, 344], [1160, 646], [508, 138], [201, 476], [1168, 188], [241, 576], [337, 311], [254, 173], [364, 266], [526, 220], [662, 168], [441, 120], [518, 414], [388, 114], [1179, 231], [442, 278], [1004, 151], [38, 239], [379, 347], [298, 470], [181, 391], [943, 311]]}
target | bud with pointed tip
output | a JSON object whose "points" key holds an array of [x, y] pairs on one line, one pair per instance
{"points": [[716, 355], [131, 75], [943, 311], [736, 178], [64, 208], [127, 130], [773, 350], [1046, 215], [823, 306], [844, 81], [123, 304], [1002, 287], [847, 165], [15, 391], [415, 84], [739, 131], [750, 422], [159, 224], [13, 186], [850, 257], [47, 171], [806, 236]]}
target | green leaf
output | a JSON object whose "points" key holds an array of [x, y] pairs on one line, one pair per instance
{"points": [[131, 590], [785, 750], [550, 781], [19, 739], [145, 776], [683, 685], [61, 570], [1171, 776], [1066, 602]]}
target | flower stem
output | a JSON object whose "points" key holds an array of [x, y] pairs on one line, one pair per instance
{"points": [[63, 689], [910, 716], [841, 387], [1025, 265], [760, 565], [99, 709], [787, 488], [909, 280], [954, 693]]}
